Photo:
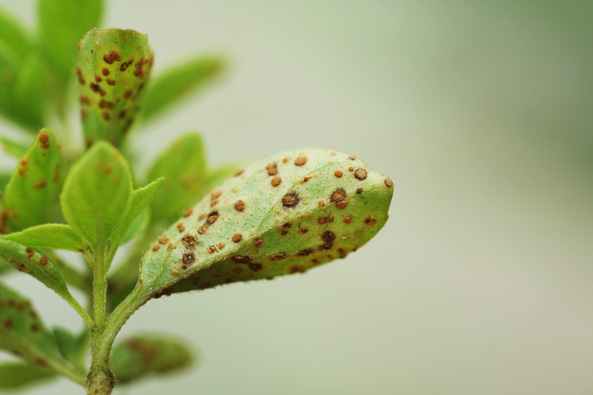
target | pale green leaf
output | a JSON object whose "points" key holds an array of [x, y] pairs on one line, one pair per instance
{"points": [[29, 93], [14, 148], [72, 347], [57, 236], [15, 376], [13, 35]]}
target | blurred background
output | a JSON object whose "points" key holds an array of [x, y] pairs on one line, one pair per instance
{"points": [[482, 114]]}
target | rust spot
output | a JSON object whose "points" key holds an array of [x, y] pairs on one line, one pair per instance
{"points": [[338, 173], [305, 252], [34, 327], [240, 205], [276, 181], [44, 140], [239, 172], [105, 71], [360, 174], [98, 79], [212, 217], [128, 93], [237, 237], [301, 160], [279, 256], [256, 267], [203, 229], [342, 252], [170, 247], [189, 241], [241, 259], [174, 272], [180, 227], [272, 169], [106, 116], [105, 104], [347, 220], [321, 203], [212, 249], [215, 194], [338, 195], [359, 191], [97, 89], [8, 323], [214, 203], [324, 220], [328, 237], [388, 182], [83, 117], [258, 243], [30, 253], [110, 81], [221, 245], [238, 270], [284, 160], [111, 57], [124, 66], [163, 240], [85, 100], [156, 247], [43, 261], [108, 169], [296, 269], [342, 204], [370, 221], [188, 212], [23, 161], [188, 259], [291, 200], [351, 168], [305, 179], [81, 79]]}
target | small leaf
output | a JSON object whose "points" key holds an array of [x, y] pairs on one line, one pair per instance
{"points": [[97, 190], [113, 68], [17, 376], [14, 148], [32, 193], [149, 354], [138, 226], [29, 93], [62, 24], [32, 262], [21, 330], [57, 236], [286, 214], [178, 82], [13, 36], [183, 165], [72, 347]]}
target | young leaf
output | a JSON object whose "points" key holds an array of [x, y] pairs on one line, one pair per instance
{"points": [[21, 330], [29, 92], [178, 82], [13, 36], [149, 354], [32, 193], [57, 236], [284, 215], [16, 376], [62, 24], [113, 68], [72, 347], [97, 190], [138, 226], [13, 148], [183, 165]]}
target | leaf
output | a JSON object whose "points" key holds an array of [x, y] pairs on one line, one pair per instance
{"points": [[21, 330], [220, 174], [57, 236], [97, 190], [138, 226], [62, 24], [29, 93], [183, 165], [31, 196], [13, 36], [149, 354], [72, 347], [283, 215], [13, 148], [33, 263], [113, 68], [178, 82], [16, 375]]}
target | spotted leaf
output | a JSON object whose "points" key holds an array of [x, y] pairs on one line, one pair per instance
{"points": [[31, 196], [113, 69], [286, 214], [17, 375]]}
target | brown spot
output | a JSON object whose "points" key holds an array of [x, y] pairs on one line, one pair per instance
{"points": [[23, 161], [258, 243], [279, 256], [170, 247], [241, 259], [212, 217], [40, 362], [342, 252], [237, 237], [181, 227], [34, 327], [214, 203], [342, 204], [128, 93], [305, 252], [30, 253], [85, 100], [370, 221], [221, 245], [239, 172], [255, 266], [238, 270], [272, 169], [156, 247], [163, 240], [212, 249], [305, 179], [215, 194], [321, 203], [97, 89], [105, 71], [83, 117], [347, 220], [328, 237], [276, 181], [388, 182], [108, 169], [188, 259], [296, 269], [202, 216], [174, 272], [124, 66], [81, 79], [188, 212], [284, 160], [360, 174], [203, 229], [110, 81], [43, 261], [98, 79], [324, 220], [240, 205], [44, 140], [8, 323], [359, 191], [105, 104], [111, 57], [338, 173], [106, 116], [351, 168], [189, 241], [338, 195], [301, 160], [291, 200]]}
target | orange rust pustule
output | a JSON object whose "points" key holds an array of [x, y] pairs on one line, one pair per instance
{"points": [[360, 174], [291, 200], [239, 205], [44, 140], [338, 195], [111, 57], [237, 237]]}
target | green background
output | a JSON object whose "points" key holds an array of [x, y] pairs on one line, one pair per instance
{"points": [[482, 114]]}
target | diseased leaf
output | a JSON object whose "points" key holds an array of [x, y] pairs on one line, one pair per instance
{"points": [[149, 354], [72, 347], [57, 236], [35, 264], [113, 68], [17, 375], [31, 196], [97, 190], [21, 330], [178, 82], [218, 175], [63, 23], [13, 36], [13, 148], [283, 215], [183, 165]]}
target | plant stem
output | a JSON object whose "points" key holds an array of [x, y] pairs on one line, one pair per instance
{"points": [[81, 311]]}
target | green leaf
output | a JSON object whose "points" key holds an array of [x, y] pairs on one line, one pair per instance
{"points": [[97, 190], [57, 236], [72, 347], [138, 226], [113, 68], [35, 264], [21, 330], [17, 376], [178, 82], [13, 36], [29, 93], [14, 148], [183, 165], [149, 354], [31, 196], [218, 175], [62, 24], [283, 215]]}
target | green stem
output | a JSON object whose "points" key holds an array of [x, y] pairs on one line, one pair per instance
{"points": [[81, 311], [99, 288]]}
